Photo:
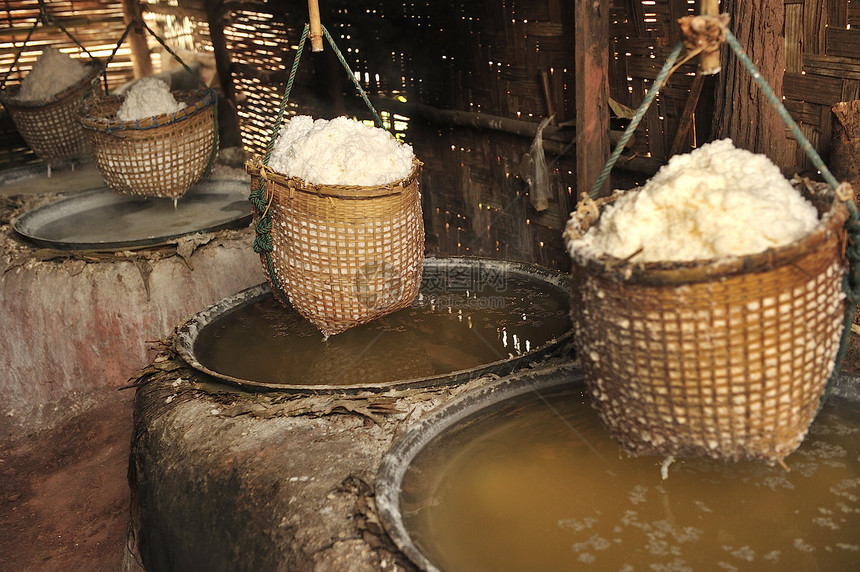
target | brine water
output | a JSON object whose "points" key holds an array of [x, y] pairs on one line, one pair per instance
{"points": [[445, 330], [538, 484]]}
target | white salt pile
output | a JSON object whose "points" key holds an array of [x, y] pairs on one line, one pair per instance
{"points": [[52, 73], [714, 202], [148, 97], [339, 152]]}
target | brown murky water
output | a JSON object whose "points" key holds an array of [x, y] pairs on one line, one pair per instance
{"points": [[442, 332], [540, 485]]}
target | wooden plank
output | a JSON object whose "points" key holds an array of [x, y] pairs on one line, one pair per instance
{"points": [[837, 13], [833, 67], [591, 34], [646, 68], [813, 89], [680, 142], [803, 112], [794, 38], [850, 89], [814, 27], [636, 15], [843, 43]]}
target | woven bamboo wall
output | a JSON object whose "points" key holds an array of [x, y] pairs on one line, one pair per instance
{"points": [[487, 56], [96, 24], [822, 65], [642, 36]]}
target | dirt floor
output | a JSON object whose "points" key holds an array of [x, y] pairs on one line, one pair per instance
{"points": [[64, 496]]}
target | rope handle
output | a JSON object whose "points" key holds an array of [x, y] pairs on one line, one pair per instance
{"points": [[720, 21], [138, 23]]}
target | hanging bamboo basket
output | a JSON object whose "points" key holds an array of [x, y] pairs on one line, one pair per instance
{"points": [[343, 255], [727, 359], [160, 156], [50, 127]]}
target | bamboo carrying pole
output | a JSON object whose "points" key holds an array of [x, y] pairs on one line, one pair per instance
{"points": [[316, 28], [709, 62]]}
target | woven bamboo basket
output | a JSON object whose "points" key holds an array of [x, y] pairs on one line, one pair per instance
{"points": [[161, 156], [727, 359], [344, 255], [50, 127]]}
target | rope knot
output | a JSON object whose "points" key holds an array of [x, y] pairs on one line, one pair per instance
{"points": [[704, 34], [263, 243], [844, 192], [264, 225]]}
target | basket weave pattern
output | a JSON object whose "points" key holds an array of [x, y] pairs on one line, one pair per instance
{"points": [[343, 255], [731, 367], [159, 161], [51, 128]]}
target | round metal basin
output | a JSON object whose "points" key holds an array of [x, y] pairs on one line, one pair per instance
{"points": [[104, 220], [522, 475], [473, 316]]}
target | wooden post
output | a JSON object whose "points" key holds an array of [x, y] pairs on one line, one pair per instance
{"points": [[743, 113], [591, 21], [231, 135], [140, 58], [316, 27]]}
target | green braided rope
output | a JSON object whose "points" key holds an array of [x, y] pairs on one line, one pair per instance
{"points": [[637, 117], [263, 243], [95, 80], [352, 76], [780, 109], [851, 280]]}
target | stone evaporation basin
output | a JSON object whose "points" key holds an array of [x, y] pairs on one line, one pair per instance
{"points": [[472, 316], [533, 481]]}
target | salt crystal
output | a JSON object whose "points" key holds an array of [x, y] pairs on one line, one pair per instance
{"points": [[52, 73], [148, 97], [340, 152], [714, 202]]}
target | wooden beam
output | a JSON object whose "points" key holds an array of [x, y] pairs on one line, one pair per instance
{"points": [[231, 135], [137, 40], [591, 28], [680, 143]]}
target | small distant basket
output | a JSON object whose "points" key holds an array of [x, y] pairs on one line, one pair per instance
{"points": [[727, 359], [50, 127], [343, 255], [161, 156]]}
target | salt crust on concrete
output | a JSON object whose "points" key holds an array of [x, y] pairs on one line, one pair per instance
{"points": [[222, 485], [76, 326]]}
